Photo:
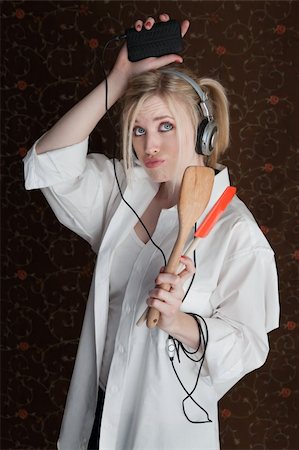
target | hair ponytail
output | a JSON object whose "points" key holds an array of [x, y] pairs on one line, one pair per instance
{"points": [[217, 95]]}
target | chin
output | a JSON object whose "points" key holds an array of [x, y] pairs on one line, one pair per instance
{"points": [[159, 178]]}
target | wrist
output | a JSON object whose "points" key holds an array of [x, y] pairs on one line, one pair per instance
{"points": [[120, 73], [184, 328], [173, 327], [117, 84]]}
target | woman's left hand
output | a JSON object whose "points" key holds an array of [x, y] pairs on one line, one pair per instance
{"points": [[168, 303]]}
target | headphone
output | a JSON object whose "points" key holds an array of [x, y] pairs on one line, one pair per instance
{"points": [[207, 129]]}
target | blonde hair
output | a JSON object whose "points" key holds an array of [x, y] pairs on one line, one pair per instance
{"points": [[175, 92]]}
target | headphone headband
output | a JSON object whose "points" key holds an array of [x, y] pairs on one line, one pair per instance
{"points": [[204, 100]]}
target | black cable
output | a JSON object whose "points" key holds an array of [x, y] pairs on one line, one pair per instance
{"points": [[117, 38], [202, 342]]}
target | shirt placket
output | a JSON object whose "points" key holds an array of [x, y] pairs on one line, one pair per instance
{"points": [[117, 376]]}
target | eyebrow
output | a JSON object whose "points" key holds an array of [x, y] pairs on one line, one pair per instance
{"points": [[159, 118]]}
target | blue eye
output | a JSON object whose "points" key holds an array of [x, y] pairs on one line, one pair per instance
{"points": [[166, 126], [138, 131]]}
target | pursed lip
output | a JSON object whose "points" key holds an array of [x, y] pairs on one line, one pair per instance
{"points": [[152, 163]]}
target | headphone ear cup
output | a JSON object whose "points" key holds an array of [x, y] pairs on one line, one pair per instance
{"points": [[200, 131], [205, 137]]}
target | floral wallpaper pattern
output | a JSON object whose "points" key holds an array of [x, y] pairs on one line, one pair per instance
{"points": [[50, 59]]}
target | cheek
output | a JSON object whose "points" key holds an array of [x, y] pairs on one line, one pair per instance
{"points": [[171, 144]]}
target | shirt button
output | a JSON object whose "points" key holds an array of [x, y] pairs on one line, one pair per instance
{"points": [[121, 349], [128, 309], [114, 389]]}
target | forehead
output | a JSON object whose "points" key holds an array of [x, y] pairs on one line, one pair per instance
{"points": [[154, 106]]}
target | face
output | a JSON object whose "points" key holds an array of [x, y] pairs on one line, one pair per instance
{"points": [[155, 141]]}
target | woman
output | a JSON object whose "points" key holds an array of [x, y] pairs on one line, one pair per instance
{"points": [[221, 311]]}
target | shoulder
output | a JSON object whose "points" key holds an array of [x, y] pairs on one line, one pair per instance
{"points": [[104, 171], [101, 162], [243, 234]]}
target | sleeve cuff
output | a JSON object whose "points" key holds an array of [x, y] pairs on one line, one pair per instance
{"points": [[55, 166]]}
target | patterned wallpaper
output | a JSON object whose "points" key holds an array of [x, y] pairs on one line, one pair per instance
{"points": [[51, 59]]}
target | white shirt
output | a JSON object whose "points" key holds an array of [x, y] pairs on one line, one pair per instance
{"points": [[234, 290], [127, 251]]}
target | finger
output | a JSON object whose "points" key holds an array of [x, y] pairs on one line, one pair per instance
{"points": [[189, 268], [149, 23], [161, 295], [173, 297], [184, 27], [157, 304], [188, 262], [177, 279], [164, 17], [155, 63], [138, 25], [158, 294], [167, 278], [163, 307]]}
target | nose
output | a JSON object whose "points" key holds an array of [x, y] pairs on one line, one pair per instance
{"points": [[151, 146]]}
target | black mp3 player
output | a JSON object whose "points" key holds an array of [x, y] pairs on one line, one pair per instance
{"points": [[162, 39]]}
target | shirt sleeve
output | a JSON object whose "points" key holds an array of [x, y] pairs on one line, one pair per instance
{"points": [[246, 308], [79, 187]]}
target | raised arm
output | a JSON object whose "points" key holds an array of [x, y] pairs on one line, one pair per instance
{"points": [[80, 120]]}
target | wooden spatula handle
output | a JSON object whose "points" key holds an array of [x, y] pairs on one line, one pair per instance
{"points": [[153, 316]]}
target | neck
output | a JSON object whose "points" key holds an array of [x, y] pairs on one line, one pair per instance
{"points": [[169, 191], [168, 194]]}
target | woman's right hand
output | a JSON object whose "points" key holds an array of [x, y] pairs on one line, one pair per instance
{"points": [[126, 68]]}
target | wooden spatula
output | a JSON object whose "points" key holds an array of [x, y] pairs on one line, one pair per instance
{"points": [[194, 196]]}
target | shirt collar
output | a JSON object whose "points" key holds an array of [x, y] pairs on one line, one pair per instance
{"points": [[221, 182]]}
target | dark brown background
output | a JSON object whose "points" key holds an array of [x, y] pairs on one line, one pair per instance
{"points": [[50, 60]]}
